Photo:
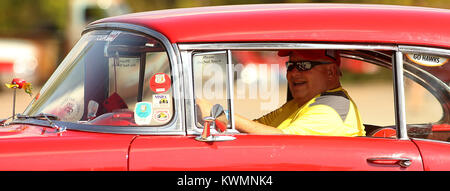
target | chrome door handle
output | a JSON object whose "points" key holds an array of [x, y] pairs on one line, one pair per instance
{"points": [[403, 162]]}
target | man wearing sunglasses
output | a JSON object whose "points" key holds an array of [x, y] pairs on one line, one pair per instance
{"points": [[320, 106]]}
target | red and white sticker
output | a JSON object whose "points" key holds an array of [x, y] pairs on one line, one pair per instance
{"points": [[160, 83]]}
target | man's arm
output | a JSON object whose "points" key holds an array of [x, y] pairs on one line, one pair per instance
{"points": [[244, 125]]}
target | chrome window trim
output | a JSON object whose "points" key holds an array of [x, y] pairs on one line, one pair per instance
{"points": [[430, 140], [425, 50], [188, 78], [397, 68], [187, 57], [271, 46], [363, 56], [175, 126], [230, 90], [180, 78], [399, 95]]}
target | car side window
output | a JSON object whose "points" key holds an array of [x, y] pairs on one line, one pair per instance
{"points": [[210, 74], [427, 96], [260, 85]]}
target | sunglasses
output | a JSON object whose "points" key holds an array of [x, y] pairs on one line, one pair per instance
{"points": [[303, 65]]}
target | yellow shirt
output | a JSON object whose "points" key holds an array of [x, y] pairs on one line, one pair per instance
{"points": [[332, 113]]}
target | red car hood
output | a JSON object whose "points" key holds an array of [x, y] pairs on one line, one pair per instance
{"points": [[23, 130]]}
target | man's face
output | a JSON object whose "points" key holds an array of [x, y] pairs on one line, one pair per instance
{"points": [[304, 85]]}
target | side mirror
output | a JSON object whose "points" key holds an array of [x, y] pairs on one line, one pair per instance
{"points": [[216, 111], [211, 120]]}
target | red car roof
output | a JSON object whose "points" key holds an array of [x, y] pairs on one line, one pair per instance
{"points": [[299, 22]]}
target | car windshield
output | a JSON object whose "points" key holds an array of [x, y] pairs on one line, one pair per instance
{"points": [[106, 76]]}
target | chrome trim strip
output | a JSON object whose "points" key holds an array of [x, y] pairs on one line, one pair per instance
{"points": [[271, 46], [175, 126], [230, 90], [98, 128], [180, 79], [188, 79], [429, 140], [399, 95], [367, 57], [426, 50]]}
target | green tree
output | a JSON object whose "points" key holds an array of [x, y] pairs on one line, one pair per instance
{"points": [[19, 16]]}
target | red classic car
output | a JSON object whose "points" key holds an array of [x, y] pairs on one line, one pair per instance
{"points": [[125, 97]]}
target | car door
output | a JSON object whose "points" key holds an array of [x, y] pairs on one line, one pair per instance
{"points": [[259, 152], [273, 152]]}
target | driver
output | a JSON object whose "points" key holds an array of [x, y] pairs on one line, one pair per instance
{"points": [[320, 106]]}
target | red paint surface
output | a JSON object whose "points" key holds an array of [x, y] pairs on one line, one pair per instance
{"points": [[24, 147], [299, 22], [256, 152]]}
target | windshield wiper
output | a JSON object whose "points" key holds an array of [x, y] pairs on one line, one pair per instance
{"points": [[43, 116], [3, 121]]}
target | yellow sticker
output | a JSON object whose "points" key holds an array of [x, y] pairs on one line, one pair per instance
{"points": [[426, 59]]}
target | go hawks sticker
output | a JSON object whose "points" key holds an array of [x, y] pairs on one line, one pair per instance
{"points": [[427, 60]]}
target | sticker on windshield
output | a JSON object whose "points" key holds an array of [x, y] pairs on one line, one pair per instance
{"points": [[113, 35], [162, 115], [426, 59], [70, 110], [107, 37], [161, 100], [160, 83], [143, 113]]}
